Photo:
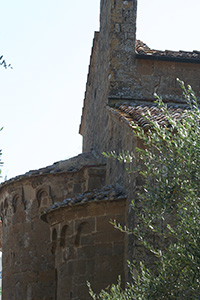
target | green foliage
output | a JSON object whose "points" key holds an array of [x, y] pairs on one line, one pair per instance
{"points": [[167, 208], [115, 292]]}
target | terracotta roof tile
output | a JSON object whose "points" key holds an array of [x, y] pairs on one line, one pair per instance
{"points": [[142, 49], [108, 193], [70, 165], [135, 114]]}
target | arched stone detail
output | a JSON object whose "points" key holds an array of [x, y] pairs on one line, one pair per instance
{"points": [[43, 197], [54, 238], [15, 202], [2, 211], [63, 235], [6, 211], [23, 199], [5, 206], [84, 228], [23, 230], [66, 243], [5, 203], [1, 207]]}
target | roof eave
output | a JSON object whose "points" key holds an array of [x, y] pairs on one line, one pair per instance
{"points": [[167, 58]]}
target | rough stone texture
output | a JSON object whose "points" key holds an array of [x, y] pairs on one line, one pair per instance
{"points": [[87, 247], [111, 69], [160, 76], [27, 258], [108, 192], [1, 235], [76, 198], [28, 261], [123, 69]]}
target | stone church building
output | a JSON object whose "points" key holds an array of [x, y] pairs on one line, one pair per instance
{"points": [[56, 230]]}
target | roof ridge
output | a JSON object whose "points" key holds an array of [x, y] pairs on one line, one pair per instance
{"points": [[142, 49]]}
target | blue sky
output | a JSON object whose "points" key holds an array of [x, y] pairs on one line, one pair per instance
{"points": [[49, 45]]}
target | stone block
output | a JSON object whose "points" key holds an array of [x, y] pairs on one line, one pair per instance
{"points": [[86, 252], [80, 267], [118, 249], [77, 188], [47, 276], [90, 266], [96, 209], [80, 211], [96, 182], [85, 226], [145, 67], [87, 240], [104, 249], [106, 237], [117, 207], [103, 223], [30, 277]]}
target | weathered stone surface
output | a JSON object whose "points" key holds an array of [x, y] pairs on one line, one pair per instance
{"points": [[111, 69], [77, 198], [93, 249], [28, 247]]}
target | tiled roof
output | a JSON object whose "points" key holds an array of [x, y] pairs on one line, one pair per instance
{"points": [[135, 114], [73, 164], [142, 49], [107, 193]]}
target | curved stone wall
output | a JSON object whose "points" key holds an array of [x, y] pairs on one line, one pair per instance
{"points": [[86, 246], [28, 264], [28, 252]]}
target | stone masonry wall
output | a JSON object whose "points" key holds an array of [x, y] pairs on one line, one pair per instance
{"points": [[110, 69], [160, 77], [1, 235], [87, 247], [120, 137], [28, 261], [28, 268], [117, 74]]}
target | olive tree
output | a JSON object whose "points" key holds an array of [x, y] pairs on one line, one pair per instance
{"points": [[168, 207]]}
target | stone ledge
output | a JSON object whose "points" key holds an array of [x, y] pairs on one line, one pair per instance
{"points": [[107, 193]]}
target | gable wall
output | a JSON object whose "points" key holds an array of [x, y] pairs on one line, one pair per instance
{"points": [[155, 76]]}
